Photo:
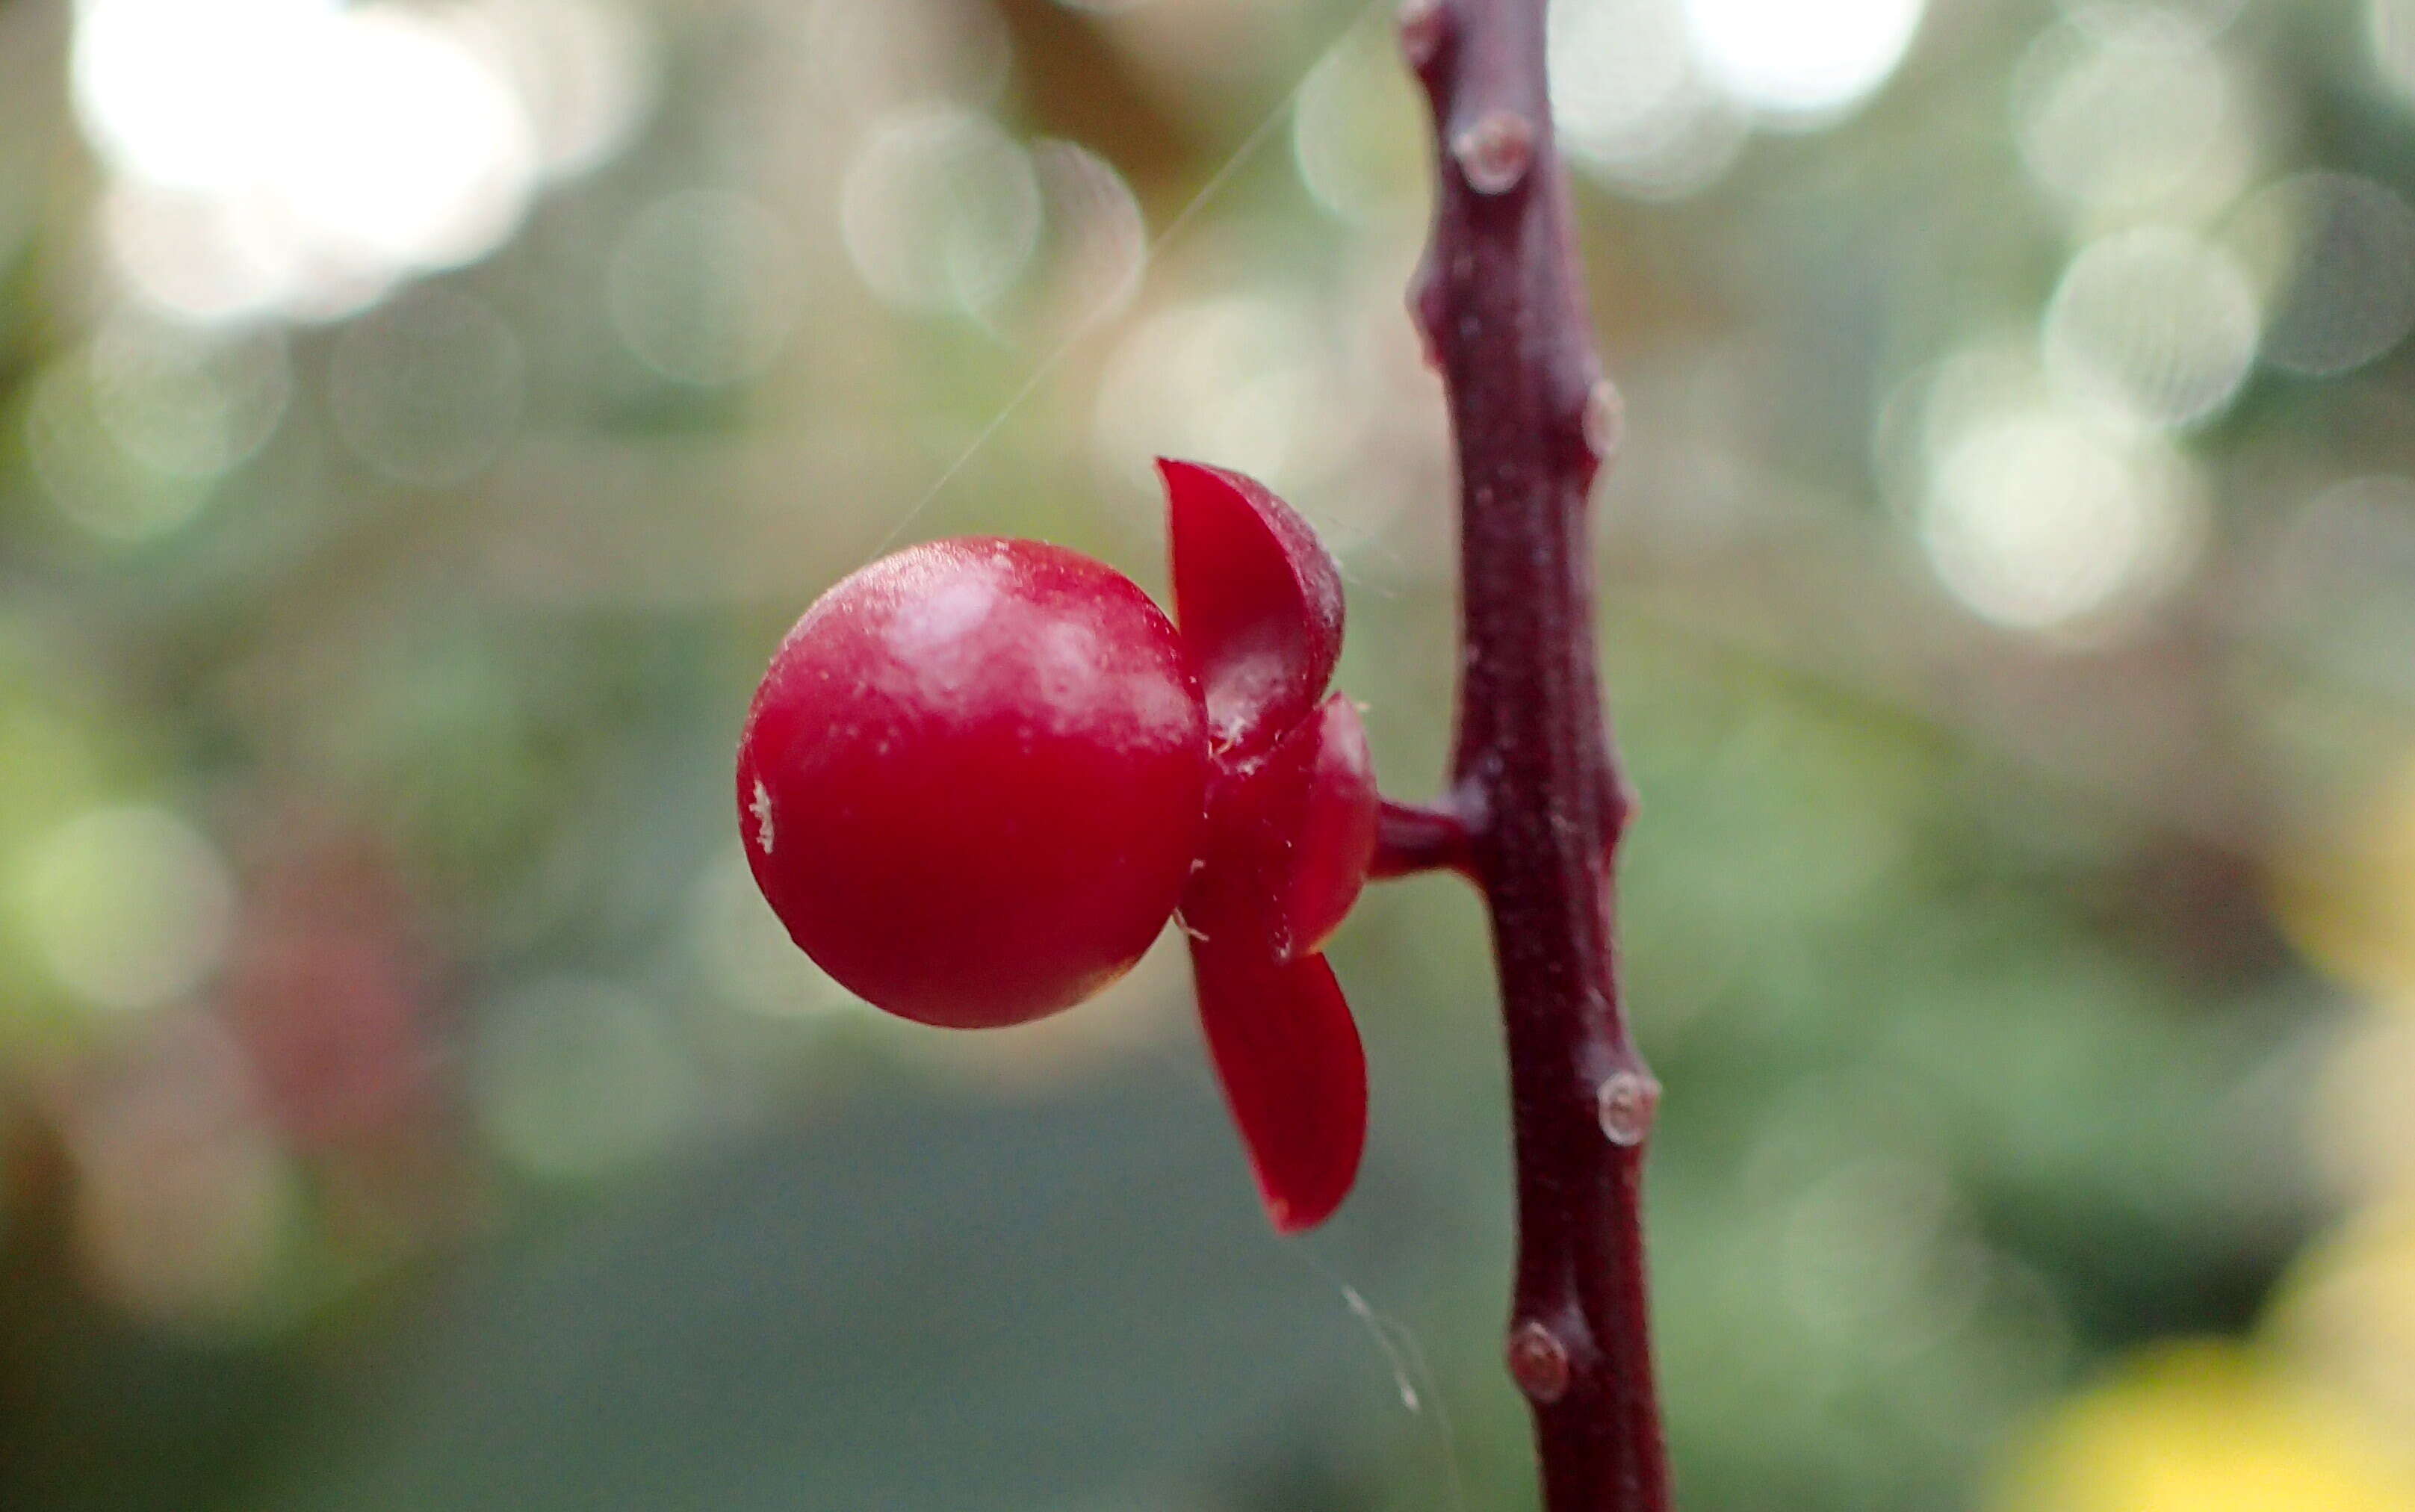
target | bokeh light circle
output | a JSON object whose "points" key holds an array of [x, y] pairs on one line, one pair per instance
{"points": [[1635, 108], [1248, 379], [940, 210], [578, 1077], [2156, 325], [405, 145], [703, 286], [190, 403], [130, 908], [2040, 520], [583, 71], [1088, 265], [88, 475], [1803, 62], [2335, 256], [2135, 110], [191, 96], [298, 157]]}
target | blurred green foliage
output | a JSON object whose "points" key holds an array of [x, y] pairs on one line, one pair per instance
{"points": [[2008, 590]]}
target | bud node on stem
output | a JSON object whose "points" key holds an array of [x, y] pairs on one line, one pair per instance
{"points": [[1604, 420], [1495, 152], [1539, 1362], [1626, 1102], [1424, 25]]}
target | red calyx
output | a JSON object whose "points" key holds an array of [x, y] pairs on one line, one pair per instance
{"points": [[1290, 833], [981, 775]]}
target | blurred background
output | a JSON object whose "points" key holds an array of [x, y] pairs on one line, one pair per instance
{"points": [[419, 421]]}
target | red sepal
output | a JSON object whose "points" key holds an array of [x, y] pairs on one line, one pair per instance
{"points": [[1289, 837], [1294, 1074], [1290, 832], [1258, 598], [1335, 842]]}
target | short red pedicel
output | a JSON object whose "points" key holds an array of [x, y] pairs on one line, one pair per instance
{"points": [[981, 775]]}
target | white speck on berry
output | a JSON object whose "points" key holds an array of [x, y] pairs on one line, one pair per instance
{"points": [[761, 809]]}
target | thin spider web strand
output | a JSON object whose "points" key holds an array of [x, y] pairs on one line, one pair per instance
{"points": [[1232, 165]]}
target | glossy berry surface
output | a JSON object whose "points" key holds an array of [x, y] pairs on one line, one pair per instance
{"points": [[972, 783]]}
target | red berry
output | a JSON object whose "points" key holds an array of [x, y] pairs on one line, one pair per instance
{"points": [[972, 782]]}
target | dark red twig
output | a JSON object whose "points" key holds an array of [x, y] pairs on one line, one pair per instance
{"points": [[1539, 804]]}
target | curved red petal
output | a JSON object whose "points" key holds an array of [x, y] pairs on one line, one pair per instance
{"points": [[1294, 1074], [1258, 599]]}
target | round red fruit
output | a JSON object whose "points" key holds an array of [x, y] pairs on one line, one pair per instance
{"points": [[971, 784]]}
